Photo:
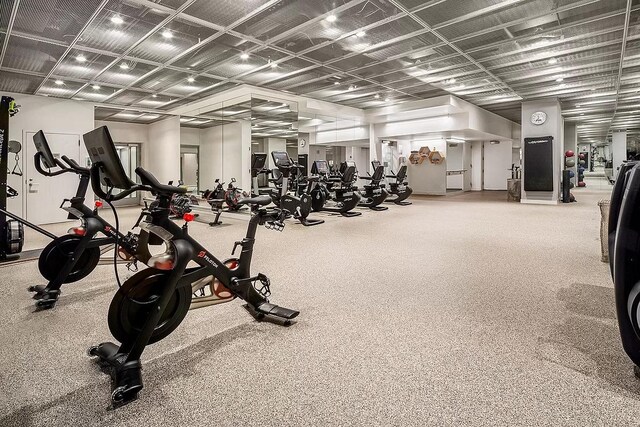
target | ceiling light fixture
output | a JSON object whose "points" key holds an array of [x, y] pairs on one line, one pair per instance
{"points": [[167, 34], [352, 87], [59, 82], [124, 66], [552, 61], [560, 79], [244, 55], [387, 100], [96, 87], [274, 65], [191, 79], [155, 95], [81, 58], [336, 83], [331, 18], [376, 96], [361, 34], [116, 19]]}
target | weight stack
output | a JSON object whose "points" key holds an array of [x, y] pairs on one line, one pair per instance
{"points": [[566, 186]]}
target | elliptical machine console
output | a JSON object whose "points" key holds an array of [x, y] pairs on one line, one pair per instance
{"points": [[298, 206]]}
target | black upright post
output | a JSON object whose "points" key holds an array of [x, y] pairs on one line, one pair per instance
{"points": [[4, 153]]}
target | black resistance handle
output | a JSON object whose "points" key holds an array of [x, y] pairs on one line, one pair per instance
{"points": [[75, 166], [99, 191], [149, 180]]}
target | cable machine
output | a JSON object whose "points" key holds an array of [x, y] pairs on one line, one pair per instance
{"points": [[12, 229]]}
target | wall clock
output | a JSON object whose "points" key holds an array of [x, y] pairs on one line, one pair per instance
{"points": [[538, 118]]}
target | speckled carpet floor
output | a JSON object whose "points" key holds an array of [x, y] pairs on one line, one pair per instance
{"points": [[461, 310]]}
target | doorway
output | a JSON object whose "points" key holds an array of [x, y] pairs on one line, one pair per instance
{"points": [[189, 167], [129, 155]]}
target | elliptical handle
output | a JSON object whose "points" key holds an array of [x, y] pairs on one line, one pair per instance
{"points": [[38, 165]]}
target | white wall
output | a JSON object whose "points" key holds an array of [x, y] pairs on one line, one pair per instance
{"points": [[210, 156], [52, 115], [619, 150], [162, 152], [190, 136], [225, 153], [497, 162], [317, 152], [477, 164], [455, 157]]}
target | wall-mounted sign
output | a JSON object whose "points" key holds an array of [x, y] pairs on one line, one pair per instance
{"points": [[538, 164]]}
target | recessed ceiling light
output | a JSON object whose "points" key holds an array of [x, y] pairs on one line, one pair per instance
{"points": [[376, 96], [552, 61], [274, 65], [59, 82], [387, 100], [191, 79], [116, 19], [244, 55], [560, 79], [124, 66], [352, 87], [154, 95], [332, 18], [361, 34], [95, 87], [167, 34], [81, 58], [336, 83]]}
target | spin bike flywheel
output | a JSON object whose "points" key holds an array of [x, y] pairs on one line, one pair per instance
{"points": [[132, 305], [57, 253]]}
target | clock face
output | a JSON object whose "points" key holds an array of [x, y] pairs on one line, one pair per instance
{"points": [[538, 117]]}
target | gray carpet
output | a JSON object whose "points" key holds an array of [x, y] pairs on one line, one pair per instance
{"points": [[460, 310]]}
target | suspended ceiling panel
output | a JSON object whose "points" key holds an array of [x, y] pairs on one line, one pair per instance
{"points": [[159, 54]]}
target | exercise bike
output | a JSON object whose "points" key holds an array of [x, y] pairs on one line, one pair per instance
{"points": [[73, 256], [153, 302], [374, 193], [399, 189], [298, 206], [337, 191]]}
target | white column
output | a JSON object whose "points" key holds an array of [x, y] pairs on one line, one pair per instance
{"points": [[245, 177], [274, 144], [375, 148], [619, 149], [163, 150]]}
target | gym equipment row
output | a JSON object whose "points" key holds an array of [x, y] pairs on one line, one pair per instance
{"points": [[300, 195]]}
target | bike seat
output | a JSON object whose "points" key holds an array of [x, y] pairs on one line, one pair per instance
{"points": [[263, 200]]}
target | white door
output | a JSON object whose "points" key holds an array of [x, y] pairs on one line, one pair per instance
{"points": [[45, 194]]}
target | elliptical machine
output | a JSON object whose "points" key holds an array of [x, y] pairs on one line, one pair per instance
{"points": [[152, 303], [399, 189], [73, 256], [336, 190], [298, 206], [624, 248]]}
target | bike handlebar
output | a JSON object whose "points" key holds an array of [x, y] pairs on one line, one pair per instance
{"points": [[38, 165]]}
